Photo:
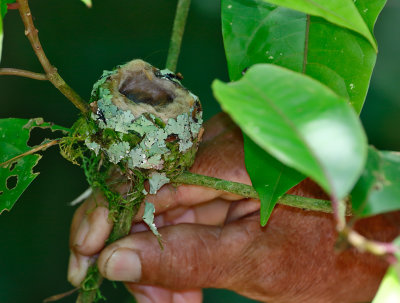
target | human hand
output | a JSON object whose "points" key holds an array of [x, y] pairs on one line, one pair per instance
{"points": [[214, 239]]}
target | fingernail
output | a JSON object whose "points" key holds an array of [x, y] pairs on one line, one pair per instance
{"points": [[82, 232], [77, 268], [123, 265], [140, 298], [187, 217], [178, 298], [139, 227]]}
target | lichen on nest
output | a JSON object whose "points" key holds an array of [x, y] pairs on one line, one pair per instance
{"points": [[143, 119]]}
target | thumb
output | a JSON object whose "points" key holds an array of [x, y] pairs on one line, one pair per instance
{"points": [[194, 256]]}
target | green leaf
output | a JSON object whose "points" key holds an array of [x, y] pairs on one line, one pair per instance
{"points": [[300, 122], [389, 290], [3, 12], [1, 36], [252, 31], [3, 7], [88, 3], [269, 177], [256, 32], [340, 12], [378, 189], [346, 61], [18, 175]]}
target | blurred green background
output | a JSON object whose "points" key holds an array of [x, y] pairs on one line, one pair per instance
{"points": [[82, 42]]}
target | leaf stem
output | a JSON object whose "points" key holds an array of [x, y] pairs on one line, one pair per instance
{"points": [[306, 44], [363, 244], [248, 191], [51, 72], [178, 29], [22, 73], [30, 152]]}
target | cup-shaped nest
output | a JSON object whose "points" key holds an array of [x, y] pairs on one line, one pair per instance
{"points": [[145, 119]]}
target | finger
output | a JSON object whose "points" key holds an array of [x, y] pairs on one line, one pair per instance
{"points": [[308, 188], [216, 125], [154, 294], [77, 267], [194, 256], [242, 208], [211, 213], [90, 227]]}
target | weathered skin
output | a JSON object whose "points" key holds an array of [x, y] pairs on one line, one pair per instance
{"points": [[292, 259]]}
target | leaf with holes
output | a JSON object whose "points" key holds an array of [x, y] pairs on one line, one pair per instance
{"points": [[299, 121], [16, 176], [378, 189]]}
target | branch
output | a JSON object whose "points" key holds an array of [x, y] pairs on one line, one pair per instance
{"points": [[181, 14], [22, 73], [30, 152], [248, 191], [51, 72]]}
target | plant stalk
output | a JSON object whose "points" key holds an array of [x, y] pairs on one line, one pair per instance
{"points": [[31, 151], [51, 72], [22, 73], [248, 191], [178, 29]]}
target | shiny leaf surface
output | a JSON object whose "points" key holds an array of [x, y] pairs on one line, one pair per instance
{"points": [[378, 189], [271, 178], [340, 12], [300, 122]]}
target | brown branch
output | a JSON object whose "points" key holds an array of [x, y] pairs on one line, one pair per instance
{"points": [[22, 73], [51, 72], [30, 152]]}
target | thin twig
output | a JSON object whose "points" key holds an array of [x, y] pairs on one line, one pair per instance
{"points": [[52, 75], [363, 244], [22, 73], [248, 191], [181, 14], [60, 296], [30, 152]]}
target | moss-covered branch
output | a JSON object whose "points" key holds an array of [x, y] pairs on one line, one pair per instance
{"points": [[248, 191]]}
